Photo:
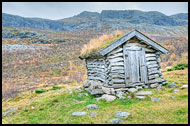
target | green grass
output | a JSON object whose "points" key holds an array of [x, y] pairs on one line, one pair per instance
{"points": [[55, 107]]}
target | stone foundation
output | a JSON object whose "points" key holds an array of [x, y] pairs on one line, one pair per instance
{"points": [[96, 88]]}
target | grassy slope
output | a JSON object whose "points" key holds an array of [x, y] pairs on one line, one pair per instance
{"points": [[56, 107]]}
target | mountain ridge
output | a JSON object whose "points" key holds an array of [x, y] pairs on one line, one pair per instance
{"points": [[106, 19]]}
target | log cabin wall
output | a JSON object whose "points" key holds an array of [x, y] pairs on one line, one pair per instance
{"points": [[114, 62], [115, 68], [96, 69]]}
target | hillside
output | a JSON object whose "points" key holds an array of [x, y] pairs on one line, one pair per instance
{"points": [[56, 106], [107, 19]]}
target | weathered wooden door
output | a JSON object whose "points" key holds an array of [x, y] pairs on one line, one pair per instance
{"points": [[135, 65]]}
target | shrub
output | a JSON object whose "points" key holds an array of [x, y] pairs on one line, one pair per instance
{"points": [[170, 69], [56, 87], [40, 90], [179, 66]]}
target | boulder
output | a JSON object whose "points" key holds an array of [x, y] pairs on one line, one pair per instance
{"points": [[87, 83], [154, 85], [129, 97], [172, 97], [78, 101], [142, 93], [120, 94], [70, 90], [159, 87], [184, 86], [172, 85], [107, 97], [140, 97], [97, 92], [123, 115], [155, 99], [108, 90], [78, 113], [132, 90], [139, 87], [80, 95], [92, 114], [92, 106], [95, 85], [115, 121], [9, 112], [78, 88]]}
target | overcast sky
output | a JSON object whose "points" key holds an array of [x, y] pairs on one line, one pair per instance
{"points": [[59, 10]]}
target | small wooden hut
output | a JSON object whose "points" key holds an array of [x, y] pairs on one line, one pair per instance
{"points": [[132, 60]]}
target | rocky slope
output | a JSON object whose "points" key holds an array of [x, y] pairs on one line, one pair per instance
{"points": [[107, 19]]}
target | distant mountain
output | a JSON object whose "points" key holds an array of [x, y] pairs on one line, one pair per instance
{"points": [[180, 16], [107, 19], [36, 23], [137, 17]]}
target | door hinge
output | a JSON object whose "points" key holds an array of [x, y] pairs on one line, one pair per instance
{"points": [[142, 65], [127, 78], [126, 56]]}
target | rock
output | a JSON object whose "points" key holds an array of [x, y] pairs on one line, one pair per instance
{"points": [[97, 92], [108, 90], [107, 97], [80, 95], [139, 87], [154, 85], [184, 86], [78, 88], [86, 94], [176, 90], [155, 99], [142, 93], [123, 115], [115, 121], [132, 90], [159, 87], [11, 109], [145, 86], [61, 90], [91, 85], [172, 97], [87, 83], [121, 89], [78, 113], [120, 94], [140, 97], [92, 114], [78, 101], [95, 85], [92, 106], [70, 90], [172, 85], [9, 112], [129, 97]]}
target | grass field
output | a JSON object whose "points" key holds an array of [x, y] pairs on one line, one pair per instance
{"points": [[57, 106]]}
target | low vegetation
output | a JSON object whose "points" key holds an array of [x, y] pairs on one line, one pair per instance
{"points": [[57, 106], [179, 66], [100, 42]]}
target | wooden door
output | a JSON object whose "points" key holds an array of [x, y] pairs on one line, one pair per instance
{"points": [[135, 65]]}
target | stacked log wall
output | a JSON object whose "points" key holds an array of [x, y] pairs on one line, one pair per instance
{"points": [[96, 69], [115, 68]]}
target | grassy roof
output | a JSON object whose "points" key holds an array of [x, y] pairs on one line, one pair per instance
{"points": [[99, 43]]}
